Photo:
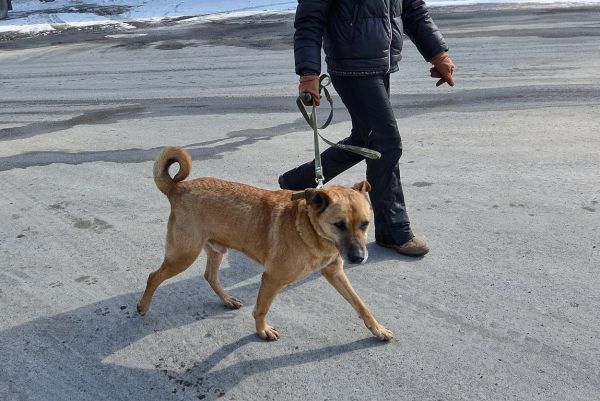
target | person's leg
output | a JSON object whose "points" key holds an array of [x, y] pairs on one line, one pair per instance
{"points": [[367, 99]]}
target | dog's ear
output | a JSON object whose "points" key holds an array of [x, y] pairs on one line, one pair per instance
{"points": [[362, 186], [317, 199]]}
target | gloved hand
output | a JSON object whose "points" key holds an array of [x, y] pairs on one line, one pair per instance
{"points": [[443, 68], [310, 84]]}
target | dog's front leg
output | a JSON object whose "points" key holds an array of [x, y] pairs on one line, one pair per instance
{"points": [[334, 273], [269, 287]]}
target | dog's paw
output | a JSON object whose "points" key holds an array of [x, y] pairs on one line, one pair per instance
{"points": [[381, 332], [269, 333], [232, 302], [142, 311]]}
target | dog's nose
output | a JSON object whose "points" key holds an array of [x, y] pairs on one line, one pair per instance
{"points": [[355, 256], [355, 259]]}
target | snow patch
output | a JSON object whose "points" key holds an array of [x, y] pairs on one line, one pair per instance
{"points": [[34, 16]]}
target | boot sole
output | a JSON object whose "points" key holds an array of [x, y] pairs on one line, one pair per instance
{"points": [[414, 255]]}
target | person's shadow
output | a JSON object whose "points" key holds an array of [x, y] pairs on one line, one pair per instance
{"points": [[67, 356]]}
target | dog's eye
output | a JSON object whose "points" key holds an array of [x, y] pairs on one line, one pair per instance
{"points": [[364, 225], [340, 225]]}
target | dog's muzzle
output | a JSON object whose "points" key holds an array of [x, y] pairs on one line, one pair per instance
{"points": [[357, 255]]}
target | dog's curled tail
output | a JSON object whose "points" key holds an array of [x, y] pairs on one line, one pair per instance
{"points": [[164, 160]]}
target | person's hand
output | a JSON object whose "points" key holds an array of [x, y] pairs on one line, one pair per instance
{"points": [[310, 84], [443, 68]]}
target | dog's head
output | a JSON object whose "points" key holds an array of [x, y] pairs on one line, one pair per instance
{"points": [[342, 216]]}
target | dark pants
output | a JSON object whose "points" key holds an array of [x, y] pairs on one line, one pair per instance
{"points": [[367, 98]]}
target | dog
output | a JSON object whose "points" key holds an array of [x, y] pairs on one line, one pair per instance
{"points": [[290, 238]]}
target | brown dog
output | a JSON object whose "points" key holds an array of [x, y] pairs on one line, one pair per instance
{"points": [[291, 239]]}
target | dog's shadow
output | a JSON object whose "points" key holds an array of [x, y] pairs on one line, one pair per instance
{"points": [[68, 356], [214, 383]]}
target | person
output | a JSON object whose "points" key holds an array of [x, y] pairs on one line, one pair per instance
{"points": [[362, 40]]}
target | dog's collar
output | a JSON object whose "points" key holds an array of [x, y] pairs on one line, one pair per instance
{"points": [[298, 195]]}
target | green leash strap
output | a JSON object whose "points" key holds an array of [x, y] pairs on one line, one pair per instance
{"points": [[311, 119]]}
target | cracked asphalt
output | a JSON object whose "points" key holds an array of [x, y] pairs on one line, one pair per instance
{"points": [[500, 175]]}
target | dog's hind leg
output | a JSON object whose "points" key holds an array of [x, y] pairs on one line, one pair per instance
{"points": [[170, 267], [214, 257], [179, 255]]}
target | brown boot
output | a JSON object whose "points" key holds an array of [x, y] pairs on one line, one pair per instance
{"points": [[414, 247]]}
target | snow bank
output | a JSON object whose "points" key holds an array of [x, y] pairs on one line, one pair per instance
{"points": [[34, 16]]}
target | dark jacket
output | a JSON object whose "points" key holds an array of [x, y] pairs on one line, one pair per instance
{"points": [[361, 37]]}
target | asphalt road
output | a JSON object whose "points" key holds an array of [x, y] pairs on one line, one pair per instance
{"points": [[501, 175]]}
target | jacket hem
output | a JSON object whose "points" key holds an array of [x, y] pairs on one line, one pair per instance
{"points": [[361, 73]]}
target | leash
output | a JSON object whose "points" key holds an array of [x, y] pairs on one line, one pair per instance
{"points": [[324, 81]]}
